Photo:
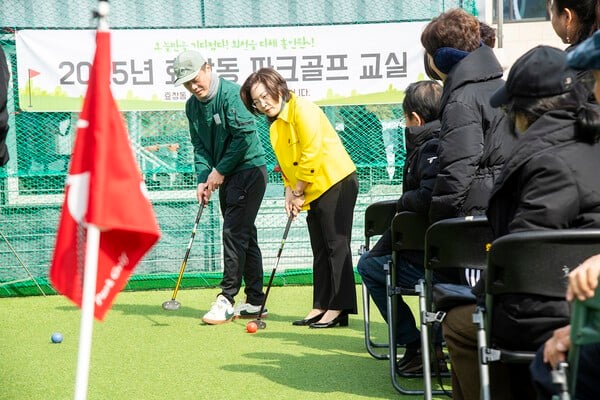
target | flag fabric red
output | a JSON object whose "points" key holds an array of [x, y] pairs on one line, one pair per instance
{"points": [[33, 73], [104, 188]]}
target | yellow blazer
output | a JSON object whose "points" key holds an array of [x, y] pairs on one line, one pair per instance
{"points": [[308, 148]]}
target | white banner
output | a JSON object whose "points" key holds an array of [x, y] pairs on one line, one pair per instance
{"points": [[331, 65]]}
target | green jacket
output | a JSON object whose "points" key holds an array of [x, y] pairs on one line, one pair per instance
{"points": [[223, 133]]}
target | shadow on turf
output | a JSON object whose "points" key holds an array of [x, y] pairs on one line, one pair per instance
{"points": [[340, 366], [147, 311]]}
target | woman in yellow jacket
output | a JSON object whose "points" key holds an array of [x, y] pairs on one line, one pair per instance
{"points": [[319, 177]]}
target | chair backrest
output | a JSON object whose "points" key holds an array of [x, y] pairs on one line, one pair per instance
{"points": [[378, 218], [459, 245], [530, 271], [537, 262], [408, 234], [408, 231]]}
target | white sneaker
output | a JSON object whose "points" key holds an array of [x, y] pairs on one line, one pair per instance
{"points": [[247, 310], [220, 312]]}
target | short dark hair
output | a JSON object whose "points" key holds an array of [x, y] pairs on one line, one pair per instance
{"points": [[423, 98], [274, 83]]}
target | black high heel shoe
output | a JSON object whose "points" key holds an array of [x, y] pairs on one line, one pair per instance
{"points": [[341, 320], [308, 321]]}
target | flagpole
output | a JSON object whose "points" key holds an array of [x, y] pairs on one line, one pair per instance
{"points": [[90, 274], [87, 311]]}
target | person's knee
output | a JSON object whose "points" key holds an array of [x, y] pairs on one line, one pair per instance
{"points": [[372, 267], [362, 266]]}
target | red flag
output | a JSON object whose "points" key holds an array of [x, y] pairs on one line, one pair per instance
{"points": [[104, 188], [33, 73]]}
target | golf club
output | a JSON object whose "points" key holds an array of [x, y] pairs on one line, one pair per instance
{"points": [[173, 304], [258, 321]]}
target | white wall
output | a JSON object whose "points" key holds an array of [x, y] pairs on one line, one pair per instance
{"points": [[518, 37], [522, 36]]}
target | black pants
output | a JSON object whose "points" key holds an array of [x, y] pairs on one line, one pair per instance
{"points": [[330, 228], [240, 197], [586, 388]]}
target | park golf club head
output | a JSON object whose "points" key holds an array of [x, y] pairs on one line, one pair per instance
{"points": [[171, 305], [260, 324]]}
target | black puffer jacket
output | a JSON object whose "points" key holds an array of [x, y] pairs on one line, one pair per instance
{"points": [[474, 138], [420, 171], [420, 167], [549, 182]]}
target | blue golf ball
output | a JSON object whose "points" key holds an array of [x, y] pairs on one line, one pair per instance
{"points": [[57, 337]]}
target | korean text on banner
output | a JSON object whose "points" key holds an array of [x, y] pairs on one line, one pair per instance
{"points": [[105, 189]]}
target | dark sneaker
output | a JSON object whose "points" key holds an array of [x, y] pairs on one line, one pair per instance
{"points": [[411, 362]]}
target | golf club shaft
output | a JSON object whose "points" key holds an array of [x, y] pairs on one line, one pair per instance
{"points": [[187, 252], [285, 233]]}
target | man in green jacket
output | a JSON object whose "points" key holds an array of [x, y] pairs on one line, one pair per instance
{"points": [[227, 156]]}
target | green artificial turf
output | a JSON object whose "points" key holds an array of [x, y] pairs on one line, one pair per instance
{"points": [[141, 352]]}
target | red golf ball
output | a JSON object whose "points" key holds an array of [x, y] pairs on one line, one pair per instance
{"points": [[251, 327]]}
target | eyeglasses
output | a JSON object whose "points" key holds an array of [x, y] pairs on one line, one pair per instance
{"points": [[262, 99]]}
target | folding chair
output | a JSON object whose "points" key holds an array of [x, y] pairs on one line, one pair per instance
{"points": [[532, 263], [378, 218], [456, 253], [408, 234]]}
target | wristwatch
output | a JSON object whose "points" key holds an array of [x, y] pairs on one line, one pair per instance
{"points": [[297, 194]]}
